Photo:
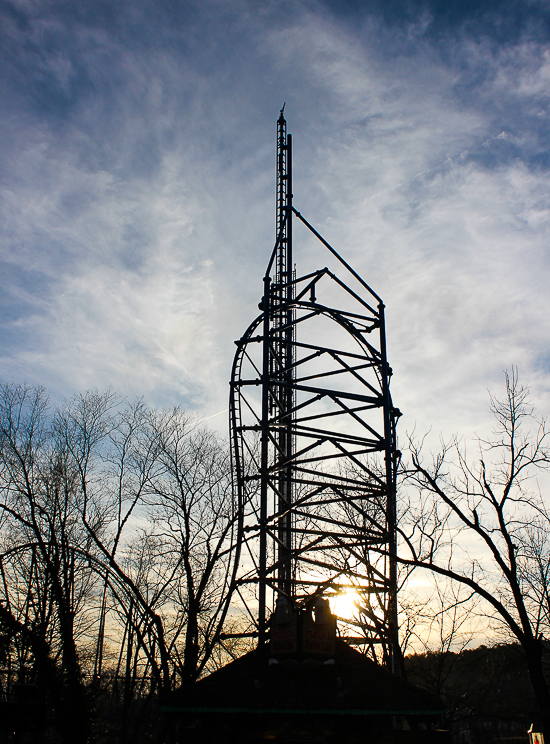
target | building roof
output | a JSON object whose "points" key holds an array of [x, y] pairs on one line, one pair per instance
{"points": [[351, 685]]}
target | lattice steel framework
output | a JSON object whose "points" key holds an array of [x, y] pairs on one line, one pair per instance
{"points": [[313, 441]]}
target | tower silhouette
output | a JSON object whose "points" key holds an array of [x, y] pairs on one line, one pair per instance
{"points": [[313, 441]]}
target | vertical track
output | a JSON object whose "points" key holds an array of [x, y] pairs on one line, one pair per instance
{"points": [[283, 356]]}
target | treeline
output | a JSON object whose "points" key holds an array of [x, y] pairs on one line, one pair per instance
{"points": [[486, 691], [117, 555], [116, 529]]}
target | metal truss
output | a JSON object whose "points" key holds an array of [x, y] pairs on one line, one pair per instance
{"points": [[313, 441]]}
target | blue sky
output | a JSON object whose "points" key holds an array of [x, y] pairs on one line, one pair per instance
{"points": [[137, 188]]}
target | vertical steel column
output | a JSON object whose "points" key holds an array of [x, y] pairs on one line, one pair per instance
{"points": [[264, 465], [391, 515]]}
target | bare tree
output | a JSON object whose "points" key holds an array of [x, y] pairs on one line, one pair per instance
{"points": [[484, 524], [116, 544], [44, 581], [190, 503], [158, 469]]}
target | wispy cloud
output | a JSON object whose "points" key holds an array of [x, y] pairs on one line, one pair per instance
{"points": [[137, 192]]}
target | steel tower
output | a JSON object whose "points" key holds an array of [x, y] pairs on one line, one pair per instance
{"points": [[313, 442]]}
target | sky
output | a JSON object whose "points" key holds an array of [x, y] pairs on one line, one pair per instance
{"points": [[137, 189]]}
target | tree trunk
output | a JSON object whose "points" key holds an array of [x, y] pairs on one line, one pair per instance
{"points": [[191, 656], [533, 655], [76, 714]]}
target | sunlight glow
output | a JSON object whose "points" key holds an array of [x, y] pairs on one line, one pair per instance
{"points": [[344, 605]]}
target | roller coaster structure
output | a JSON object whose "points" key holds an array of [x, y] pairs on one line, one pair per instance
{"points": [[313, 441]]}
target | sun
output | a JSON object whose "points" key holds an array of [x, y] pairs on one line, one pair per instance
{"points": [[344, 604]]}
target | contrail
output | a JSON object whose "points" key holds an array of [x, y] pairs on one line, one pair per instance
{"points": [[225, 410]]}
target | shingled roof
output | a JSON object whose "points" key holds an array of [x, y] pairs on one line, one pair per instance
{"points": [[351, 685]]}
